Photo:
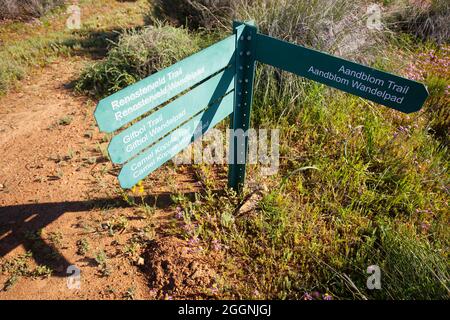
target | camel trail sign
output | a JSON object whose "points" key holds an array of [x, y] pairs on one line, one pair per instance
{"points": [[159, 116]]}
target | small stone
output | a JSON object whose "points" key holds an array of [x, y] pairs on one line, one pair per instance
{"points": [[140, 261], [251, 203], [1, 186]]}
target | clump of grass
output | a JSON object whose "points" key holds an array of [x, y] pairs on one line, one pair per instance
{"points": [[65, 121], [193, 14], [19, 266], [83, 247], [427, 20], [340, 28], [9, 72], [428, 65], [137, 55], [117, 224], [56, 239], [103, 264], [130, 293], [18, 57], [412, 268]]}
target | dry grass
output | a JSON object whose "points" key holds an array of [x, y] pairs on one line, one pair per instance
{"points": [[427, 20]]}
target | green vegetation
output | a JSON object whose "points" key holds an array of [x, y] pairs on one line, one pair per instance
{"points": [[137, 55], [358, 184], [20, 267], [425, 19], [103, 264], [47, 38], [26, 9], [83, 247]]}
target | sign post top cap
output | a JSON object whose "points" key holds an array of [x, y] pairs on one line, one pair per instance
{"points": [[251, 23]]}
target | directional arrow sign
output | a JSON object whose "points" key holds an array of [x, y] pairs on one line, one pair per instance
{"points": [[165, 149], [218, 81], [375, 85], [128, 104], [145, 132]]}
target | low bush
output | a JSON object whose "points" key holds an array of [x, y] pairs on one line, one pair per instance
{"points": [[358, 184], [427, 20], [193, 13], [137, 55], [25, 9]]}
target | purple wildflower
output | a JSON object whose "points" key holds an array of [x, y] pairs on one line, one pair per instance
{"points": [[326, 296], [193, 241], [217, 246], [307, 296]]}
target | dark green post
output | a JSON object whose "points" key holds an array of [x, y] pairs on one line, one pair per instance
{"points": [[243, 94]]}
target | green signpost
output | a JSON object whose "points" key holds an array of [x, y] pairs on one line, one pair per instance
{"points": [[196, 93], [375, 85]]}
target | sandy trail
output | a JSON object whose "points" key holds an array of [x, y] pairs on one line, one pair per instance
{"points": [[57, 183], [39, 122], [54, 177]]}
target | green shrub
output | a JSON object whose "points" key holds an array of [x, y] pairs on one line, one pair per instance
{"points": [[427, 20], [193, 13], [339, 28], [412, 268], [25, 9], [137, 55]]}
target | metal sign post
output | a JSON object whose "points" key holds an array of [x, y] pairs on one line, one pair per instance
{"points": [[193, 95]]}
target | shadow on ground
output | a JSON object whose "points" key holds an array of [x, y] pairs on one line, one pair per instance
{"points": [[20, 225], [92, 42]]}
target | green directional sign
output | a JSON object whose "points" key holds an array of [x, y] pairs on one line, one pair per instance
{"points": [[128, 104], [141, 166], [171, 108], [375, 85], [145, 132]]}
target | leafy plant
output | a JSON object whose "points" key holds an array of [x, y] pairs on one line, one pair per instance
{"points": [[137, 55]]}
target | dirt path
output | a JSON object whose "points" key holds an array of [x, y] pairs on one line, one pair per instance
{"points": [[51, 191], [60, 205], [39, 123]]}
